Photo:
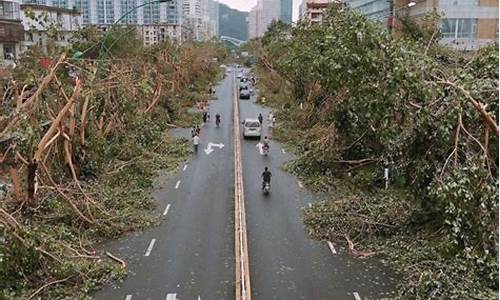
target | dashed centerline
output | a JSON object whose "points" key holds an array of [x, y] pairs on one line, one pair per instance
{"points": [[177, 184], [166, 210], [129, 297], [185, 167], [356, 296], [150, 247], [332, 248]]}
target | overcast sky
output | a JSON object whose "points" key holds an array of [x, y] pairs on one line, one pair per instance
{"points": [[246, 5]]}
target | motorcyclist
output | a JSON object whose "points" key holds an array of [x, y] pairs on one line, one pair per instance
{"points": [[265, 143], [261, 118], [266, 177], [217, 119]]}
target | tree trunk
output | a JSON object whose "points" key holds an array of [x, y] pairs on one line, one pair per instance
{"points": [[31, 182]]}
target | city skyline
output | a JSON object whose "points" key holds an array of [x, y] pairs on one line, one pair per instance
{"points": [[246, 5]]}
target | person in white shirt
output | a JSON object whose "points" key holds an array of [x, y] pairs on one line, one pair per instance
{"points": [[196, 142]]}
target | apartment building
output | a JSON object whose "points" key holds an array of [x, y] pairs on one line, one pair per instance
{"points": [[38, 19], [263, 14], [157, 33], [101, 12], [313, 11], [11, 31]]}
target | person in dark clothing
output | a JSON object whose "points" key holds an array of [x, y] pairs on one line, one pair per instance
{"points": [[193, 132], [261, 118], [205, 116], [266, 177], [198, 130]]}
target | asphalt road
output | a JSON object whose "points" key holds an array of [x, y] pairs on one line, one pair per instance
{"points": [[190, 255]]}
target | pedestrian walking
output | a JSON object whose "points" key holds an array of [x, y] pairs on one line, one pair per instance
{"points": [[261, 118], [205, 116], [193, 132], [208, 115], [196, 142], [198, 130]]}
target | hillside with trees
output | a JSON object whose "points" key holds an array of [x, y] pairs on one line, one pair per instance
{"points": [[233, 22]]}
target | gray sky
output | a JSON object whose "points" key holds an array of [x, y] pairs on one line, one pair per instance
{"points": [[246, 5]]}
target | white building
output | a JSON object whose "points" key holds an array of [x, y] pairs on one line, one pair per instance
{"points": [[48, 23], [202, 18], [262, 15]]}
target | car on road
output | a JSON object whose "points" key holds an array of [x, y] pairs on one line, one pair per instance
{"points": [[251, 128], [245, 94], [244, 86]]}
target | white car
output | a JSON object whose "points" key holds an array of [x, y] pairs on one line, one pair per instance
{"points": [[251, 128]]}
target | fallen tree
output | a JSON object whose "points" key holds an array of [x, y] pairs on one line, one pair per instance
{"points": [[80, 147], [356, 101]]}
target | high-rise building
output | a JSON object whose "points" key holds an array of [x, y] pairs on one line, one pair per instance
{"points": [[286, 11], [103, 12], [201, 17], [265, 12]]}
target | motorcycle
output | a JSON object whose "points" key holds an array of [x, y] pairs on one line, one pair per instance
{"points": [[265, 149], [266, 188]]}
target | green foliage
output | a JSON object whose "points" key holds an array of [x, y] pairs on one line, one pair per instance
{"points": [[370, 101]]}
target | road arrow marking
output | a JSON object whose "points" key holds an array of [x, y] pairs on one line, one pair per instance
{"points": [[171, 297], [166, 210], [283, 151], [332, 248], [300, 184], [209, 149], [150, 247], [129, 297], [177, 184], [309, 204], [356, 296]]}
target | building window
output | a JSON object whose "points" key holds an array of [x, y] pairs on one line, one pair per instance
{"points": [[9, 10], [9, 50], [459, 28]]}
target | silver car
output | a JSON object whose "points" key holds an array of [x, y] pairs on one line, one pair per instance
{"points": [[251, 128]]}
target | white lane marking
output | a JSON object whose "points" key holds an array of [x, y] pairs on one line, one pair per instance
{"points": [[199, 298], [129, 297], [177, 184], [332, 248], [166, 210], [356, 296], [171, 297], [309, 204], [283, 150], [150, 247], [300, 184], [185, 167]]}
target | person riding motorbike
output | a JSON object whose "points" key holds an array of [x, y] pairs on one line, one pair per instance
{"points": [[265, 144], [266, 177], [217, 119]]}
